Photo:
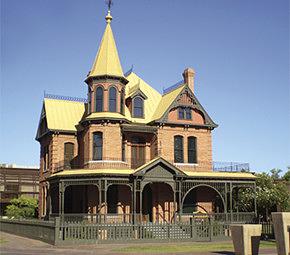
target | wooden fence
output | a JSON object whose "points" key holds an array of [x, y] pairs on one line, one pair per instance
{"points": [[61, 232]]}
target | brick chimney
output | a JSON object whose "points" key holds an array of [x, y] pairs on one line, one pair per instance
{"points": [[188, 76]]}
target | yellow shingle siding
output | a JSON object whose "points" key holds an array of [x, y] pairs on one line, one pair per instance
{"points": [[165, 102], [150, 104], [63, 114], [107, 61]]}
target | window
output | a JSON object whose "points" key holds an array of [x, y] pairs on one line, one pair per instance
{"points": [[192, 155], [180, 113], [68, 155], [99, 99], [188, 113], [112, 99], [184, 113], [46, 158], [97, 146], [138, 105], [122, 102], [178, 149]]}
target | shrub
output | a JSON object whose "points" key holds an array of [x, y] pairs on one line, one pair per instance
{"points": [[22, 207]]}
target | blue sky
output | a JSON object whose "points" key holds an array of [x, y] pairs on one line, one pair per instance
{"points": [[238, 48]]}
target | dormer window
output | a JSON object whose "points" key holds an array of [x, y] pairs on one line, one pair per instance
{"points": [[138, 107], [184, 113]]}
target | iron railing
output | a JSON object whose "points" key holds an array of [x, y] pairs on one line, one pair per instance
{"points": [[68, 98]]}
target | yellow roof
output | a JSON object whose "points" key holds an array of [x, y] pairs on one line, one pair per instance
{"points": [[239, 175], [93, 172], [165, 102], [114, 115], [107, 61], [150, 103], [63, 114]]}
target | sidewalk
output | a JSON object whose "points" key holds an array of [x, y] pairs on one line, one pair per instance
{"points": [[12, 244]]}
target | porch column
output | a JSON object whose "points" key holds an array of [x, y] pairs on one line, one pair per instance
{"points": [[61, 190], [180, 199], [104, 197], [231, 200], [134, 201], [226, 202], [48, 210]]}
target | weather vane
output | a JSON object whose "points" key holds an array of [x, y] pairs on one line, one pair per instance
{"points": [[109, 3]]}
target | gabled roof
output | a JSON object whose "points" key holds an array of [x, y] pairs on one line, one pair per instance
{"points": [[166, 101], [157, 161], [107, 61], [63, 115]]}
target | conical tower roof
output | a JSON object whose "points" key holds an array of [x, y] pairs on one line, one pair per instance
{"points": [[107, 61]]}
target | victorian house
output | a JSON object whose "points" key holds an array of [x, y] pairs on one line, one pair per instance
{"points": [[128, 152]]}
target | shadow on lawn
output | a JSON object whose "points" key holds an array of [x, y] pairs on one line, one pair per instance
{"points": [[224, 252]]}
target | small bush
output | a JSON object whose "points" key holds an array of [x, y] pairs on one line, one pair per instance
{"points": [[22, 207]]}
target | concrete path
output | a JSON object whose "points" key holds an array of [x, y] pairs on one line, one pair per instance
{"points": [[17, 245]]}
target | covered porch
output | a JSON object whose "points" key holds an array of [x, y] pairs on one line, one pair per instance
{"points": [[157, 192]]}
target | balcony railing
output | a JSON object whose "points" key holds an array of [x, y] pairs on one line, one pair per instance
{"points": [[133, 163]]}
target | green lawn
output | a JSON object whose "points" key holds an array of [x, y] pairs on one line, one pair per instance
{"points": [[185, 247]]}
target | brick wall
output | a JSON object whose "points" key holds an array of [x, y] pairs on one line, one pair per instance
{"points": [[204, 148], [197, 117]]}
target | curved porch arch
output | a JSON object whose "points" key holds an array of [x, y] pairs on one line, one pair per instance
{"points": [[208, 186]]}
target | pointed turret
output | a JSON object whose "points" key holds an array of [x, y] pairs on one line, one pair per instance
{"points": [[107, 61]]}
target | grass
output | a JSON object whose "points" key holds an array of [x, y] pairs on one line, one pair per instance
{"points": [[2, 240], [185, 247]]}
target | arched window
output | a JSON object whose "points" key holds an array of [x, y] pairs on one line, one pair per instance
{"points": [[122, 102], [68, 155], [178, 149], [192, 152], [97, 146], [99, 99], [138, 104], [112, 99]]}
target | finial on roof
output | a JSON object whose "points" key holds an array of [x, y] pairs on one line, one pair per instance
{"points": [[109, 17]]}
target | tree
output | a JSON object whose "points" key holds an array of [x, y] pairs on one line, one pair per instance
{"points": [[22, 207], [270, 194], [286, 176], [275, 173]]}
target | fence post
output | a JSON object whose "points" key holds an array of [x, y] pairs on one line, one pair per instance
{"points": [[57, 231], [210, 229], [191, 227]]}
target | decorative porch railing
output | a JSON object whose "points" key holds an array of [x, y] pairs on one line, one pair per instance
{"points": [[243, 217], [133, 163]]}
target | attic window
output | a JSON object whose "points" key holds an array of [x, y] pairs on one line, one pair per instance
{"points": [[138, 107], [184, 113]]}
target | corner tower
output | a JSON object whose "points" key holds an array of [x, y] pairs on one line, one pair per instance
{"points": [[106, 81]]}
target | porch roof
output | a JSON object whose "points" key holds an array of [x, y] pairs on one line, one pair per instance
{"points": [[127, 172], [225, 175], [93, 172]]}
